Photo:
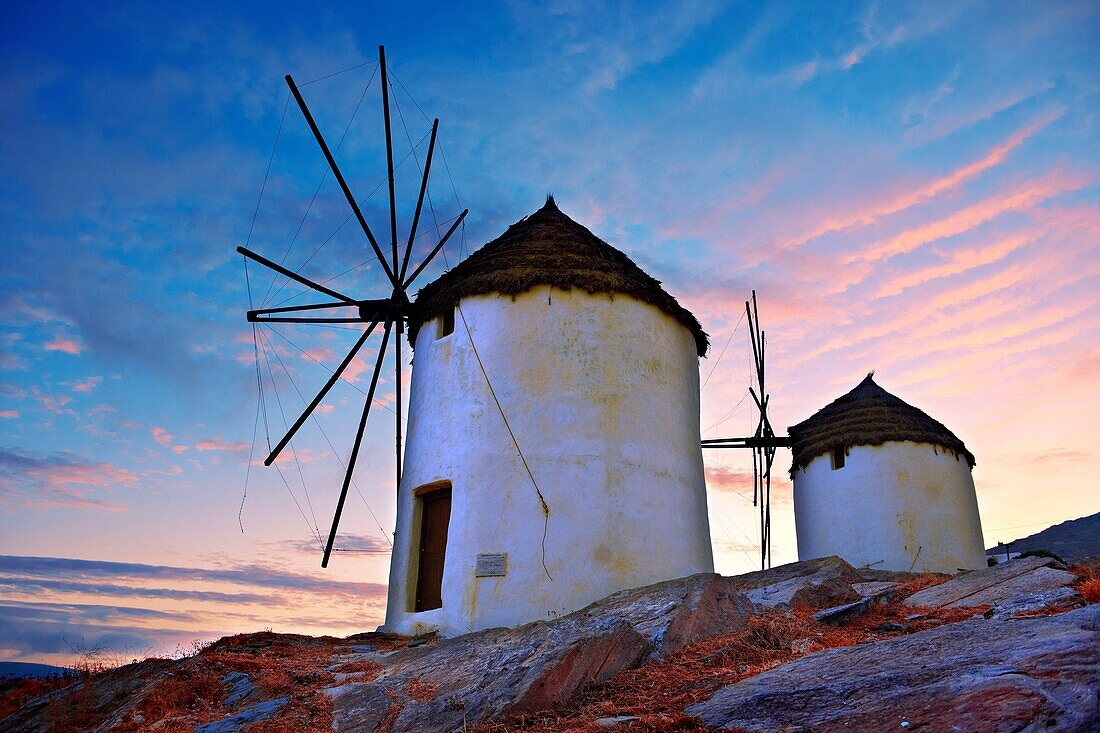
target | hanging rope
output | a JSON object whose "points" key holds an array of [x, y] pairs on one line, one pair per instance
{"points": [[317, 422], [312, 527], [270, 158], [286, 426], [723, 353], [316, 191], [248, 468], [337, 73], [526, 466]]}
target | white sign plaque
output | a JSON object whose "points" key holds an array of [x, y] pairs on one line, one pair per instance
{"points": [[492, 565]]}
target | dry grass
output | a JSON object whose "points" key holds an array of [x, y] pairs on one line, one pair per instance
{"points": [[193, 692], [421, 691], [1088, 582], [15, 693], [366, 668]]}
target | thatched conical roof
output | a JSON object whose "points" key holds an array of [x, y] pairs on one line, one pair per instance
{"points": [[547, 248], [868, 415]]}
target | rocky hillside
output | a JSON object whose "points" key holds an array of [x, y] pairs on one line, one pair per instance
{"points": [[816, 646], [1071, 540]]}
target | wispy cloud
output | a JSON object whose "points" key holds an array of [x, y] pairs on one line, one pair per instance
{"points": [[957, 262], [45, 480], [217, 444], [60, 469], [64, 345], [355, 543], [244, 575], [1016, 198], [925, 192], [86, 385]]}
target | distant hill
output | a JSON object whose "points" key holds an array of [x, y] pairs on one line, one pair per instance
{"points": [[31, 669], [1072, 540]]}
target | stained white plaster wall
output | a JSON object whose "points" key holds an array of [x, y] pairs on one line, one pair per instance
{"points": [[603, 397], [897, 506]]}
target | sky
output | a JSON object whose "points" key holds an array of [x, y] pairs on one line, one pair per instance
{"points": [[911, 188]]}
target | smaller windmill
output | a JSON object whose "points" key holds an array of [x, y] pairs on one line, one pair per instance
{"points": [[391, 313], [763, 442]]}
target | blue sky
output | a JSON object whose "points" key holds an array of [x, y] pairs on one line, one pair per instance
{"points": [[911, 188]]}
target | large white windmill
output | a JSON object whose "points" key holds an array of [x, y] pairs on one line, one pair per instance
{"points": [[553, 454]]}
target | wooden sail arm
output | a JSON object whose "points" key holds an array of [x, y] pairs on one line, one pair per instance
{"points": [[771, 441]]}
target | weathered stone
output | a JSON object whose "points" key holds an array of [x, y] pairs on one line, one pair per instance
{"points": [[872, 594], [252, 714], [994, 585], [615, 721], [499, 671], [826, 581], [877, 589], [240, 687], [1064, 597], [987, 675], [840, 614]]}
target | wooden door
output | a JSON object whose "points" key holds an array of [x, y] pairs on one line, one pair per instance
{"points": [[433, 548]]}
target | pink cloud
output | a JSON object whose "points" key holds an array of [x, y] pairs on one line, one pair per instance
{"points": [[217, 444], [53, 403], [94, 474], [922, 194], [162, 436], [304, 455], [68, 346], [1087, 367], [9, 414], [1029, 194], [958, 262], [87, 385], [356, 368], [943, 125], [318, 353], [60, 499], [729, 479], [177, 449], [65, 470]]}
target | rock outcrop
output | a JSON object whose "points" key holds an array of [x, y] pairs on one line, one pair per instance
{"points": [[1001, 585], [503, 671], [826, 581], [1031, 674], [882, 664]]}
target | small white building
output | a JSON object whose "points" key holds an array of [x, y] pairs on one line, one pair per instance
{"points": [[883, 485], [553, 444]]}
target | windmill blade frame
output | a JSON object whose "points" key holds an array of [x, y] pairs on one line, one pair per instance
{"points": [[355, 447], [392, 311]]}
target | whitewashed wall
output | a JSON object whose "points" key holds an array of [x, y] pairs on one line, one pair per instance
{"points": [[603, 397], [897, 506]]}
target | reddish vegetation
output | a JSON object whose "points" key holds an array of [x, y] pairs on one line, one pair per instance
{"points": [[15, 693], [1088, 582], [193, 691], [421, 691], [390, 718], [364, 669]]}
